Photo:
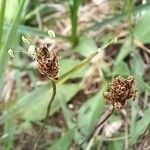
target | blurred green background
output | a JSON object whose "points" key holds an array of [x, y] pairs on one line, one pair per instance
{"points": [[81, 27]]}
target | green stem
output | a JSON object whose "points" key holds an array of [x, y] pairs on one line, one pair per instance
{"points": [[103, 119], [46, 116], [74, 7]]}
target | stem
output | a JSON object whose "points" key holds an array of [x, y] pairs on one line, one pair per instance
{"points": [[46, 116], [74, 7], [99, 124], [105, 118], [126, 120]]}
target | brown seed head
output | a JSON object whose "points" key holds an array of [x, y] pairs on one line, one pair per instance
{"points": [[47, 63], [120, 90]]}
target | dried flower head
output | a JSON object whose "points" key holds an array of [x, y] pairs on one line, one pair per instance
{"points": [[120, 90], [47, 63]]}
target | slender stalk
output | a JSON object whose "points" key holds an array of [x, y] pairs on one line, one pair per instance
{"points": [[126, 134], [46, 116], [105, 118], [74, 7], [126, 116], [99, 124]]}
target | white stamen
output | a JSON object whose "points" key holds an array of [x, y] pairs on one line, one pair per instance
{"points": [[11, 53], [32, 50], [25, 40], [51, 34]]}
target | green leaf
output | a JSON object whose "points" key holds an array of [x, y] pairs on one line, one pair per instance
{"points": [[141, 85], [86, 46], [37, 111], [89, 114], [32, 107], [141, 126], [9, 130], [142, 30], [64, 142], [134, 112], [117, 18], [37, 9], [68, 114], [121, 69], [23, 29], [10, 41], [31, 98], [11, 7], [126, 49], [74, 6], [2, 11], [116, 145], [76, 68], [137, 64], [66, 65]]}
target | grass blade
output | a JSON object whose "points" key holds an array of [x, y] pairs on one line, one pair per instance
{"points": [[10, 42], [74, 6], [68, 74], [118, 18], [2, 12], [64, 142], [33, 31]]}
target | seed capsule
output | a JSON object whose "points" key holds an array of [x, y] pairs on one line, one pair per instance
{"points": [[120, 90], [47, 63]]}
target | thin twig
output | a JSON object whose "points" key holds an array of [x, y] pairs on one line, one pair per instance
{"points": [[46, 116]]}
